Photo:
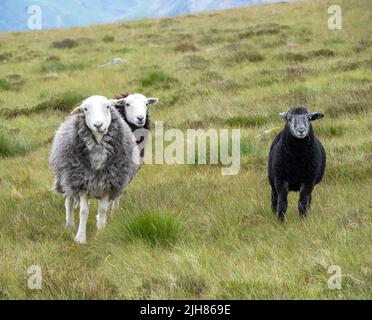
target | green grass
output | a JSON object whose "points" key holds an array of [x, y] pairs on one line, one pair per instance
{"points": [[60, 67], [185, 231], [13, 145], [157, 78], [154, 228]]}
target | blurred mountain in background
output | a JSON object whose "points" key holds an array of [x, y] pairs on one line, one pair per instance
{"points": [[14, 15]]}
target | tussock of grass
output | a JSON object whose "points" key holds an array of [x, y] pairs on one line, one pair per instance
{"points": [[248, 147], [195, 62], [64, 103], [64, 44], [291, 56], [240, 54], [6, 85], [154, 228], [13, 145], [50, 67], [156, 78], [247, 121], [322, 53], [53, 59], [330, 131], [350, 108], [259, 30], [108, 38], [185, 46], [4, 57]]}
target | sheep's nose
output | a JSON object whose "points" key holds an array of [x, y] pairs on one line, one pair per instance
{"points": [[301, 130], [98, 124], [140, 118]]}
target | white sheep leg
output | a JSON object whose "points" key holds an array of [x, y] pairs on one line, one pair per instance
{"points": [[83, 217], [115, 204], [102, 212], [69, 205]]}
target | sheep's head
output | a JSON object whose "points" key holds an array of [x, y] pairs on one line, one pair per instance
{"points": [[135, 108], [97, 114], [299, 121]]}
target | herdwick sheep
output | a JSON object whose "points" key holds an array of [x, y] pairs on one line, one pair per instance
{"points": [[297, 161], [94, 155], [133, 109]]}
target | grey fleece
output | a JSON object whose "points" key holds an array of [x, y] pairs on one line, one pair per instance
{"points": [[79, 163]]}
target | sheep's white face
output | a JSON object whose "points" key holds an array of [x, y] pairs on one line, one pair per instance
{"points": [[136, 108], [97, 114]]}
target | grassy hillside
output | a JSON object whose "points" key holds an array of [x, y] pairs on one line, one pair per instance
{"points": [[187, 231]]}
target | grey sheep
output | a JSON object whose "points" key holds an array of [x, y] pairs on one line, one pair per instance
{"points": [[94, 155]]}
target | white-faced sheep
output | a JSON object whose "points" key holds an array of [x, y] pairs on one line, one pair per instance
{"points": [[297, 161], [133, 109], [94, 155]]}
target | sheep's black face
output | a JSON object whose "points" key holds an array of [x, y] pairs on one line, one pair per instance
{"points": [[299, 121]]}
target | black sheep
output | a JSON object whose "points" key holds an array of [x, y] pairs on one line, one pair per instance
{"points": [[297, 161]]}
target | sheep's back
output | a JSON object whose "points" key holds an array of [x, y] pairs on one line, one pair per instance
{"points": [[304, 165]]}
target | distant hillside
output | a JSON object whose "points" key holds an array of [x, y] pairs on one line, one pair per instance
{"points": [[69, 13]]}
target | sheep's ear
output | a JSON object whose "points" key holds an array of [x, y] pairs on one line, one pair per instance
{"points": [[152, 100], [315, 116], [77, 110], [283, 115], [118, 103]]}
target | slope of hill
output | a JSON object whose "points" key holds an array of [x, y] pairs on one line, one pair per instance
{"points": [[186, 231], [68, 13]]}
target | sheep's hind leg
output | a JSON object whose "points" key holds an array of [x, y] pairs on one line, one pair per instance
{"points": [[282, 190], [83, 217], [274, 200], [69, 205], [305, 199], [115, 204], [102, 212]]}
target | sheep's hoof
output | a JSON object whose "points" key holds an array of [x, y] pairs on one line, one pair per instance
{"points": [[80, 239], [281, 217], [101, 223], [70, 226], [302, 210]]}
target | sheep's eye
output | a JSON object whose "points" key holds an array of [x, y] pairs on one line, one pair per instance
{"points": [[127, 104], [290, 119], [85, 109], [108, 107]]}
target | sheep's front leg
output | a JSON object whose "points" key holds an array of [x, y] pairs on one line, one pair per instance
{"points": [[282, 191], [83, 218], [102, 212], [305, 199], [69, 205]]}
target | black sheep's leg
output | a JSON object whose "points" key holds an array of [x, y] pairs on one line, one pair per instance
{"points": [[274, 200], [305, 199], [282, 190]]}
